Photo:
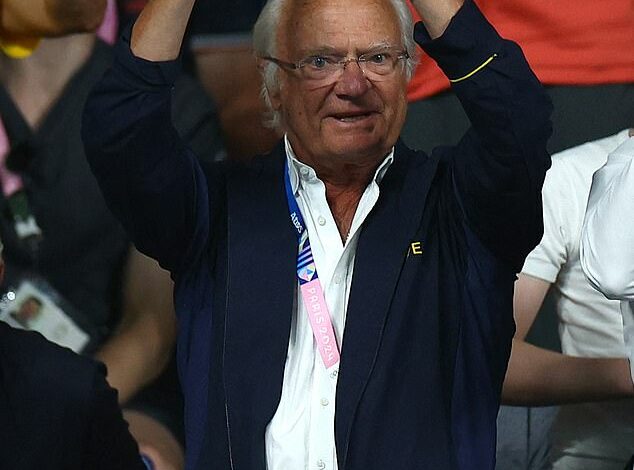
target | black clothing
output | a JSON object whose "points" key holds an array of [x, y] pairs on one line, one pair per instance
{"points": [[57, 412]]}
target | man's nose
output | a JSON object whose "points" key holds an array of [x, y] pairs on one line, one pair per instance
{"points": [[352, 81]]}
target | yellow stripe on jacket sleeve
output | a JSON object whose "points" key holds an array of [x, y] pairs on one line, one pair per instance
{"points": [[474, 71]]}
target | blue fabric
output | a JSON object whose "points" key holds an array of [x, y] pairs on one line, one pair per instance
{"points": [[57, 411], [427, 335]]}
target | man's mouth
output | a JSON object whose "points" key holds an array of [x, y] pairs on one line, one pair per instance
{"points": [[352, 117]]}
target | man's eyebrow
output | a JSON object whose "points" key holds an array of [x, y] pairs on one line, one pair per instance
{"points": [[321, 50], [379, 45], [335, 51]]}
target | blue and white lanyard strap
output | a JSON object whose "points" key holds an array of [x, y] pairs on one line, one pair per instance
{"points": [[312, 292]]}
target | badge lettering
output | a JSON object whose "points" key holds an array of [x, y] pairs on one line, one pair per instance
{"points": [[416, 248], [296, 223]]}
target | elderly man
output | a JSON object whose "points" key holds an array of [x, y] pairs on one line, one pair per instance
{"points": [[395, 355]]}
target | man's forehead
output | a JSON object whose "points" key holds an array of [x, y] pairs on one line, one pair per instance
{"points": [[332, 49], [326, 24], [298, 12]]}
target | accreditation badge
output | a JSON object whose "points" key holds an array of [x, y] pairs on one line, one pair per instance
{"points": [[34, 305]]}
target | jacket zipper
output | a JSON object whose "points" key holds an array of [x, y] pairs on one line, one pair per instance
{"points": [[229, 435], [224, 339]]}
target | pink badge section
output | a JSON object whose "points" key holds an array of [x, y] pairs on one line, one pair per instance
{"points": [[108, 29], [10, 181], [320, 322]]}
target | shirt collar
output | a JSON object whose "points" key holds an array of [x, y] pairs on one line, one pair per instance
{"points": [[295, 167], [626, 148]]}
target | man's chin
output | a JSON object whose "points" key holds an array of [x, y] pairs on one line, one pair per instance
{"points": [[352, 137], [358, 149]]}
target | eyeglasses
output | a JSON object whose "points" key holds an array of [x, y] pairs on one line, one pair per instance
{"points": [[376, 65]]}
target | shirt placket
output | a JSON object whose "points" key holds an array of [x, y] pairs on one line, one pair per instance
{"points": [[322, 401], [335, 267]]}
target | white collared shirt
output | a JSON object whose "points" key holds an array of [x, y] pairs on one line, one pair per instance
{"points": [[607, 240], [589, 324], [301, 434]]}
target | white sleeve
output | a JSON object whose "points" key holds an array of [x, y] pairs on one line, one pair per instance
{"points": [[607, 239], [560, 208]]}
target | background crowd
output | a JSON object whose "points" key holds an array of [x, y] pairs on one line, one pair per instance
{"points": [[62, 245]]}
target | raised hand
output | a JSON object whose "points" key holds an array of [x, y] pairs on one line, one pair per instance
{"points": [[158, 33], [437, 14]]}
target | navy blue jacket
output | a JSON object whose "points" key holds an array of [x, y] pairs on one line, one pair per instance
{"points": [[57, 412], [427, 336]]}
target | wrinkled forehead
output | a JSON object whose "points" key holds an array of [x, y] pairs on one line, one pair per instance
{"points": [[343, 25]]}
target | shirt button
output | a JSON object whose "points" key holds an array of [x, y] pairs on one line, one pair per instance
{"points": [[324, 402], [304, 171], [321, 464], [321, 220], [338, 278]]}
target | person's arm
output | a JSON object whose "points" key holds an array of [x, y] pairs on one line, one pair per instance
{"points": [[108, 442], [607, 240], [500, 163], [538, 377], [39, 18], [139, 350], [149, 177], [436, 14], [528, 297], [158, 32]]}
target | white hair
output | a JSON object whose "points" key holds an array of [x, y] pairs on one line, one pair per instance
{"points": [[265, 34]]}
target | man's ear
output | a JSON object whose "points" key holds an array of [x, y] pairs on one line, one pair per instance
{"points": [[275, 99], [273, 96], [260, 63]]}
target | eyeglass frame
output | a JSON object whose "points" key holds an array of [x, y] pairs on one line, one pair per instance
{"points": [[341, 64]]}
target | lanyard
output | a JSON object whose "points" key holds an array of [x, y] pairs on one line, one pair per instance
{"points": [[24, 222], [312, 292]]}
